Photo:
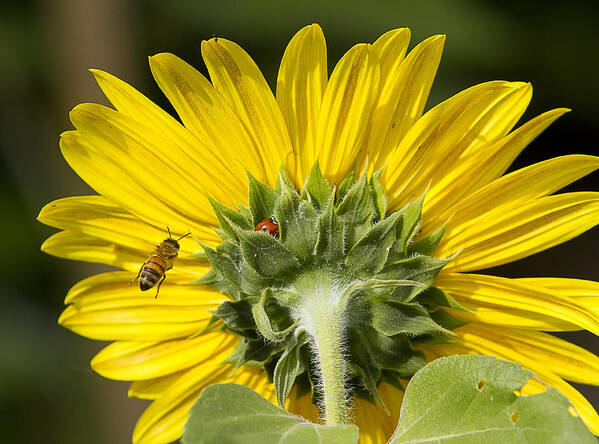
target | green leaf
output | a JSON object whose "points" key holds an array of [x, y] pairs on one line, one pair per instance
{"points": [[316, 188], [392, 318], [297, 225], [471, 400], [369, 254], [289, 366], [331, 230], [263, 321], [356, 210], [262, 200], [266, 255], [234, 414], [427, 245]]}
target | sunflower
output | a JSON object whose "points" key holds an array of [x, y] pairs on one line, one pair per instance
{"points": [[336, 220]]}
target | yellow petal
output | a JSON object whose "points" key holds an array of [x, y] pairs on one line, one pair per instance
{"points": [[189, 154], [128, 314], [164, 170], [109, 178], [467, 121], [582, 291], [80, 247], [256, 379], [302, 405], [128, 361], [511, 233], [164, 419], [374, 423], [301, 83], [391, 48], [485, 346], [477, 170], [404, 91], [98, 217], [509, 295], [346, 108], [520, 187], [206, 113], [556, 355], [153, 388], [503, 315], [238, 79]]}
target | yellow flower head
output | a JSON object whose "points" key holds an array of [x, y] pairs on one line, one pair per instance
{"points": [[360, 197]]}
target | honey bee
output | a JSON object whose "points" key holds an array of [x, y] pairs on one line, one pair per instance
{"points": [[159, 262]]}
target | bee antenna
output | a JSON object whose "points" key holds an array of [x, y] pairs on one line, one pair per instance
{"points": [[169, 232], [185, 235]]}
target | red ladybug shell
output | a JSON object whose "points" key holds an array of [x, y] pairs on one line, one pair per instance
{"points": [[268, 226]]}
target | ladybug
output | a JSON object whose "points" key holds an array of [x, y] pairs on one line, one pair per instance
{"points": [[268, 226]]}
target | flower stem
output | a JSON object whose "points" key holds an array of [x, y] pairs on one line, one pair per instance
{"points": [[328, 347]]}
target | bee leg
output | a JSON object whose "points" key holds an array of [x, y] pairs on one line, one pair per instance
{"points": [[138, 274], [159, 284]]}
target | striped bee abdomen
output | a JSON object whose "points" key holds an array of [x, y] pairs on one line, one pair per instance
{"points": [[152, 272]]}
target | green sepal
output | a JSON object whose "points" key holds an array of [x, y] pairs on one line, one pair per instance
{"points": [[263, 320], [392, 318], [372, 352], [316, 188], [237, 316], [380, 287], [212, 279], [435, 339], [268, 257], [199, 254], [446, 320], [427, 245], [262, 200], [283, 183], [331, 231], [368, 256], [251, 352], [289, 366], [224, 265], [406, 229], [247, 215], [346, 183], [378, 196], [423, 269], [435, 297], [230, 216], [356, 211], [297, 225]]}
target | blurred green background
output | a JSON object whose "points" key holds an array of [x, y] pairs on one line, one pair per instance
{"points": [[48, 394]]}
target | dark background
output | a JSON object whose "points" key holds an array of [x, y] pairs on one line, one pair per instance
{"points": [[47, 390]]}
